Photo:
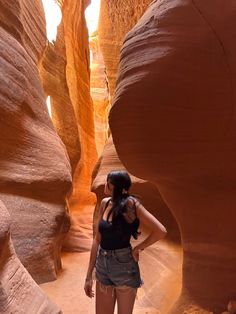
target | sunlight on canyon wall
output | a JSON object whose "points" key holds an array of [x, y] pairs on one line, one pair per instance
{"points": [[53, 18], [66, 79], [98, 80], [35, 174]]}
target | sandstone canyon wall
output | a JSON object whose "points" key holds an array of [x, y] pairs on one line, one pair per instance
{"points": [[34, 168], [82, 201], [161, 263], [148, 192], [116, 18], [99, 93], [177, 80], [18, 291], [52, 70], [65, 74]]}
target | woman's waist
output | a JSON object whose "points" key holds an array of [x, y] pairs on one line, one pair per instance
{"points": [[109, 252]]}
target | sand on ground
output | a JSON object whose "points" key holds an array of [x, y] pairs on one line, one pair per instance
{"points": [[160, 269]]}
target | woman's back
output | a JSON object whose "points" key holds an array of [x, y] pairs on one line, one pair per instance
{"points": [[117, 234]]}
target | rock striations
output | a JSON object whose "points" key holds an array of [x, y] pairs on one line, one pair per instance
{"points": [[81, 201], [19, 293], [65, 74], [117, 17], [173, 122], [34, 167], [99, 93]]}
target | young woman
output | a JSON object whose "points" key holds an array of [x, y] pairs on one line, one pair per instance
{"points": [[117, 269]]}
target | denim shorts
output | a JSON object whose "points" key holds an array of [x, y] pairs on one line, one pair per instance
{"points": [[117, 268]]}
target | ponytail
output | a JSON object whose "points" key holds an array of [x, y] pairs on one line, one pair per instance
{"points": [[120, 197]]}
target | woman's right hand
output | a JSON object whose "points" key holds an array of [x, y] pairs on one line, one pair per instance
{"points": [[135, 253], [88, 285]]}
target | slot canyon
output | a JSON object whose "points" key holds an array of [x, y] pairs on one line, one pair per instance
{"points": [[149, 88]]}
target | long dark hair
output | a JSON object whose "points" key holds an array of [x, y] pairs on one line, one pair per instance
{"points": [[122, 182]]}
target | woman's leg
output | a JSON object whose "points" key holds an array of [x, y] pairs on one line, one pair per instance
{"points": [[105, 299], [125, 299]]}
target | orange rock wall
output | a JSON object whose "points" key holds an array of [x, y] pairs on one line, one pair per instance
{"points": [[34, 168], [24, 20], [82, 201], [19, 292], [53, 75], [158, 274], [65, 73], [99, 93], [177, 81], [148, 192], [117, 17]]}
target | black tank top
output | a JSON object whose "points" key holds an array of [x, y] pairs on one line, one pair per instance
{"points": [[116, 237]]}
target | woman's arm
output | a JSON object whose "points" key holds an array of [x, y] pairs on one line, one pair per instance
{"points": [[93, 254], [148, 222]]}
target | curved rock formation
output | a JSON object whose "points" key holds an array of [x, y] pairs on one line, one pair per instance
{"points": [[65, 74], [158, 274], [116, 18], [18, 291], [53, 76], [24, 20], [34, 168], [99, 94], [148, 192], [81, 201], [173, 122]]}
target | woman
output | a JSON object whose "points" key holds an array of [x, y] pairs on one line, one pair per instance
{"points": [[117, 270]]}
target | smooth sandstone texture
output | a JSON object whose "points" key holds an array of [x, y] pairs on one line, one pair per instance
{"points": [[148, 193], [81, 202], [116, 18], [34, 167], [52, 71], [25, 21], [173, 122], [161, 263], [19, 293], [99, 93], [65, 74]]}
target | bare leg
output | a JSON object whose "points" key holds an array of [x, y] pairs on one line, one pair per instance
{"points": [[125, 299], [105, 299]]}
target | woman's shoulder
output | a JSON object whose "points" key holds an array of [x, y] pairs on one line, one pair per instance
{"points": [[132, 201], [105, 200], [104, 204]]}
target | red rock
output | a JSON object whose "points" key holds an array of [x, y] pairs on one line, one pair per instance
{"points": [[232, 307], [52, 70], [81, 202], [148, 193], [116, 18], [66, 79], [161, 263], [173, 123], [34, 167], [19, 292], [99, 93]]}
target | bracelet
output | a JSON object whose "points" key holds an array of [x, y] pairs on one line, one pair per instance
{"points": [[88, 279]]}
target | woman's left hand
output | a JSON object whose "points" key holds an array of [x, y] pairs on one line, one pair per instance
{"points": [[135, 253]]}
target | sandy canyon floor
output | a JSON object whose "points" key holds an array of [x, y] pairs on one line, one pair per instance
{"points": [[160, 267]]}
